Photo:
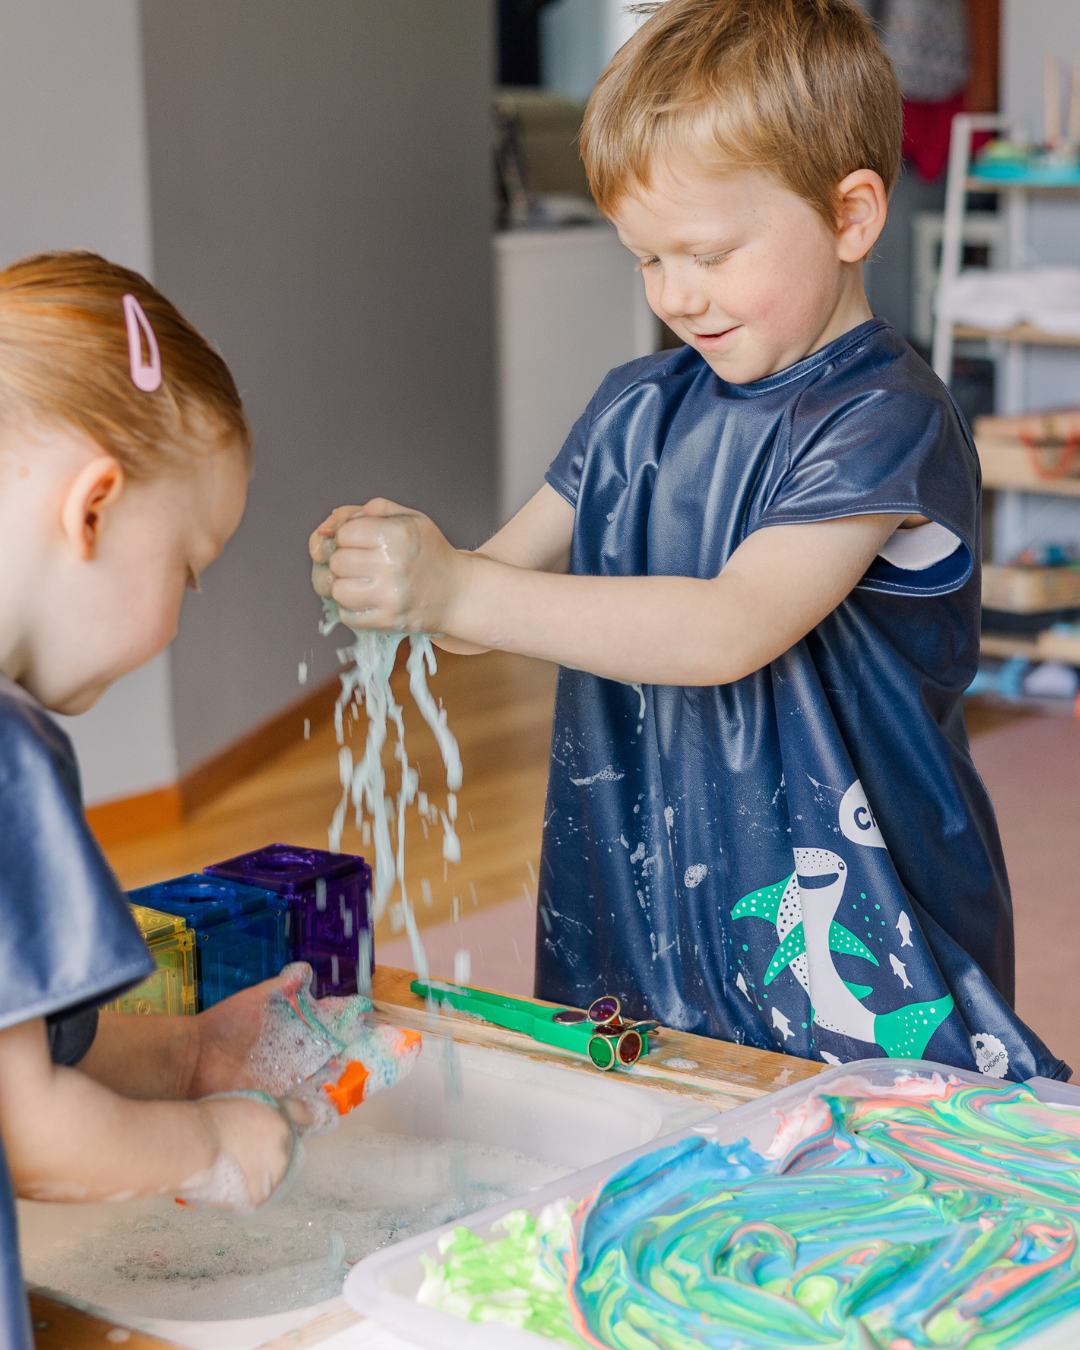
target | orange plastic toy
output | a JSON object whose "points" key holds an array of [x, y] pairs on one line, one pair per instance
{"points": [[348, 1091]]}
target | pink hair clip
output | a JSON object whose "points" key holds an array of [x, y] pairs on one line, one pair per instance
{"points": [[145, 377]]}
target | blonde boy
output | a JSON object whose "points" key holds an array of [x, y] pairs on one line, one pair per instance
{"points": [[757, 561]]}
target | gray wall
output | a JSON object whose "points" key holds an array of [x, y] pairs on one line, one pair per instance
{"points": [[319, 174], [73, 170]]}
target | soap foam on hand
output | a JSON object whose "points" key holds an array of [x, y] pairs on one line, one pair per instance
{"points": [[362, 1189], [330, 1054]]}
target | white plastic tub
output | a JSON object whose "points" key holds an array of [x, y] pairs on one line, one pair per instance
{"points": [[467, 1126], [384, 1285]]}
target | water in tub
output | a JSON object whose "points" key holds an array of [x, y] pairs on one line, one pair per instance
{"points": [[361, 1188]]}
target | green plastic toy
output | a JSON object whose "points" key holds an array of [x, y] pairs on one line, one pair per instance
{"points": [[600, 1034]]}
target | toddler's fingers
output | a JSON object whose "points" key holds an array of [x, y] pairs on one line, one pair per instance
{"points": [[377, 506], [257, 1151], [323, 540], [321, 547], [365, 532]]}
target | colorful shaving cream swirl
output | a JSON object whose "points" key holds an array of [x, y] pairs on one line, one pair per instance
{"points": [[924, 1214]]}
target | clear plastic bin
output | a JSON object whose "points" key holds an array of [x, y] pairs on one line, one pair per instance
{"points": [[384, 1285], [171, 989]]}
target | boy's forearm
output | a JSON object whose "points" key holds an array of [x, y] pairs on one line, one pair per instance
{"points": [[779, 584], [622, 628]]}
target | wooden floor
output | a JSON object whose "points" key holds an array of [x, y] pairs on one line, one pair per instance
{"points": [[500, 711]]}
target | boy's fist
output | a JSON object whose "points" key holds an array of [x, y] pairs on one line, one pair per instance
{"points": [[388, 568]]}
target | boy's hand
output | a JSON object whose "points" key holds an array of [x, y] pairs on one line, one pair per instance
{"points": [[388, 568]]}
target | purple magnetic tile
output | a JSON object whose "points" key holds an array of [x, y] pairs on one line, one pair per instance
{"points": [[286, 869], [327, 938]]}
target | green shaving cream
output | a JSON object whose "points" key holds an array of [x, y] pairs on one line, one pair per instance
{"points": [[519, 1280]]}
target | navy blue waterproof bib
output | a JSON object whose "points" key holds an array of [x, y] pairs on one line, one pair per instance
{"points": [[67, 939], [803, 860]]}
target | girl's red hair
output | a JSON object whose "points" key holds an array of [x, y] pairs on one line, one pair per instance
{"points": [[64, 359]]}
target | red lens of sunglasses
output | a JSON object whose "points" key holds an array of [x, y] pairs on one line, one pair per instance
{"points": [[628, 1048]]}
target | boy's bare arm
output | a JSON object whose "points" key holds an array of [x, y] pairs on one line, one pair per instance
{"points": [[392, 569], [69, 1138], [538, 537]]}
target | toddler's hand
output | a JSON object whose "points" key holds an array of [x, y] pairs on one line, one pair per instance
{"points": [[378, 1056], [257, 1153], [325, 1055], [388, 568], [234, 1051]]}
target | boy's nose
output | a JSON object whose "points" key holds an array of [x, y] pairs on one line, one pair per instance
{"points": [[680, 297]]}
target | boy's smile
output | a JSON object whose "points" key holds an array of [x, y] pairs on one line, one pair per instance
{"points": [[746, 271]]}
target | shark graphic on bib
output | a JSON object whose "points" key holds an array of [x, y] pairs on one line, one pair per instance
{"points": [[803, 908]]}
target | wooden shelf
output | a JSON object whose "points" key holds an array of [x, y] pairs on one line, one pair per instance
{"points": [[995, 644], [1021, 332], [723, 1074], [1007, 465], [1052, 647], [1049, 647], [973, 183]]}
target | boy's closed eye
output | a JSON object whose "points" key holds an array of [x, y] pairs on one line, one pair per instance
{"points": [[705, 260]]}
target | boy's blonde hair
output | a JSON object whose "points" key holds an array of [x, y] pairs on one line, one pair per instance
{"points": [[799, 89], [64, 360]]}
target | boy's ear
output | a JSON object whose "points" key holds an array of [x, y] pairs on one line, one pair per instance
{"points": [[90, 495], [861, 214]]}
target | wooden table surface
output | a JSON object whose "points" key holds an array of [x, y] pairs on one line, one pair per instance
{"points": [[695, 1066]]}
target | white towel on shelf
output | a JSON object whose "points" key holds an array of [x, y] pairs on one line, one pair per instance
{"points": [[1047, 297]]}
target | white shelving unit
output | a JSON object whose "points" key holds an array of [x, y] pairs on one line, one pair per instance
{"points": [[1007, 345], [1005, 469], [569, 307]]}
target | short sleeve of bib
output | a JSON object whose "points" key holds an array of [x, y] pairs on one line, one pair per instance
{"points": [[882, 450], [68, 942]]}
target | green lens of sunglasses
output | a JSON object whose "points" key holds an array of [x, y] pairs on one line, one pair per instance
{"points": [[602, 1052]]}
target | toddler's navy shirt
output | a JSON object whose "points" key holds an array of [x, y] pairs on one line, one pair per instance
{"points": [[805, 859], [68, 942]]}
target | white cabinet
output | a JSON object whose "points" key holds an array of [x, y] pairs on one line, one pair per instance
{"points": [[570, 307]]}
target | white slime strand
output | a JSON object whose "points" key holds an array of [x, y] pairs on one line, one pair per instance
{"points": [[371, 662], [424, 654]]}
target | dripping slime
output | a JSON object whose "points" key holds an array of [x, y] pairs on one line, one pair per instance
{"points": [[366, 680]]}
